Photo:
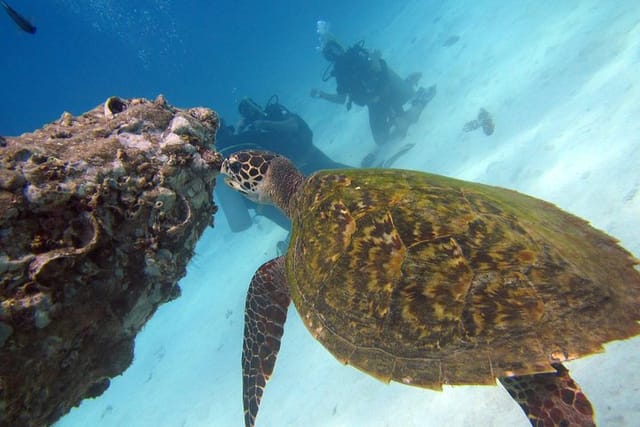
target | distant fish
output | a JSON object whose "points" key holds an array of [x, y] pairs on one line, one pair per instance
{"points": [[484, 121], [451, 41], [19, 19]]}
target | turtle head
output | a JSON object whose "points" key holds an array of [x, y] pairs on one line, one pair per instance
{"points": [[246, 172], [263, 177]]}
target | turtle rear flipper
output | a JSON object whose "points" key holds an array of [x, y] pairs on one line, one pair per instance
{"points": [[265, 313], [551, 399]]}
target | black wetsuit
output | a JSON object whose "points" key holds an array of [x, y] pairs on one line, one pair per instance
{"points": [[380, 89], [296, 144]]}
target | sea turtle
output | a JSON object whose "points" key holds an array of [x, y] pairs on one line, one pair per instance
{"points": [[428, 280]]}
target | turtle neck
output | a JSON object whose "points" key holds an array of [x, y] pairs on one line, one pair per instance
{"points": [[285, 182]]}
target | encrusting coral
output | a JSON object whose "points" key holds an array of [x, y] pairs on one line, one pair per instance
{"points": [[99, 215]]}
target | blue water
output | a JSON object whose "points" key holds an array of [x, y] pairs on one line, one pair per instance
{"points": [[194, 52], [560, 79]]}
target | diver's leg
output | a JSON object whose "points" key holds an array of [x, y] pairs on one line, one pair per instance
{"points": [[412, 114], [422, 98], [234, 207], [400, 90], [380, 122], [414, 78]]}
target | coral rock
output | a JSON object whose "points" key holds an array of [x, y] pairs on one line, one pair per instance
{"points": [[99, 215]]}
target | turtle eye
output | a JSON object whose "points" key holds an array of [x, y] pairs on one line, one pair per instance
{"points": [[235, 167]]}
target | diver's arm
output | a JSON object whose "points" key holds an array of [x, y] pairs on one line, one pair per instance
{"points": [[336, 98]]}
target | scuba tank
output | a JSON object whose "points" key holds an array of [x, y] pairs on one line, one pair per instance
{"points": [[275, 111]]}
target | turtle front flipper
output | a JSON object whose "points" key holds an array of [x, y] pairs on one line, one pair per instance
{"points": [[551, 399], [265, 314]]}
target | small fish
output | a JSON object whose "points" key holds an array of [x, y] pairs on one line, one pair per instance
{"points": [[19, 19], [484, 120]]}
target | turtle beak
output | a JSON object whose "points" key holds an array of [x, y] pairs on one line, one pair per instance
{"points": [[234, 185], [224, 168]]}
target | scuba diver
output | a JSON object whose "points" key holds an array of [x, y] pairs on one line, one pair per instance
{"points": [[364, 78], [273, 128]]}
